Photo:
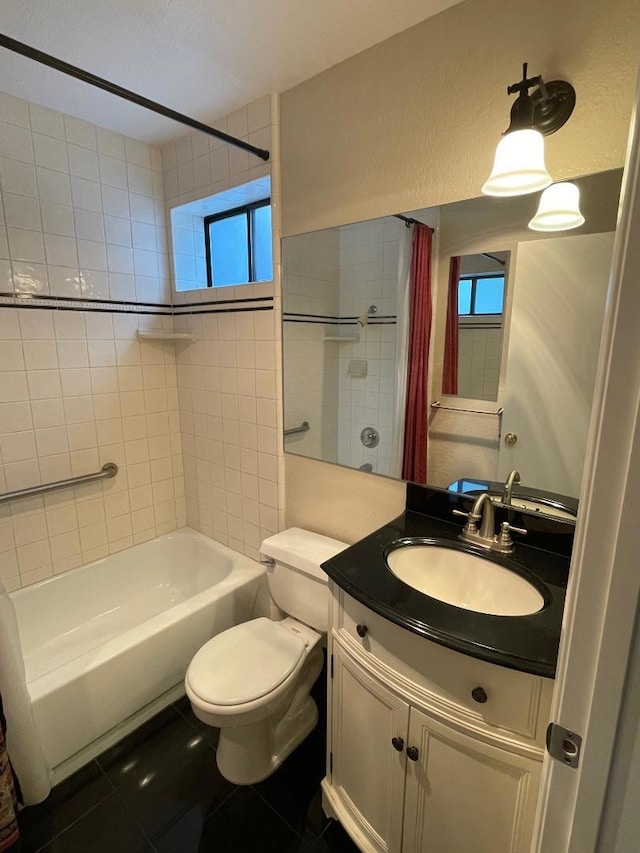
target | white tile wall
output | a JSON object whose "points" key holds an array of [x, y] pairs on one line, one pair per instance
{"points": [[77, 390], [368, 276], [311, 264], [82, 209], [231, 441], [198, 166], [229, 397], [86, 217], [342, 272]]}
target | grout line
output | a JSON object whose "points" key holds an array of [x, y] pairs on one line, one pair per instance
{"points": [[219, 806], [135, 820], [79, 818]]}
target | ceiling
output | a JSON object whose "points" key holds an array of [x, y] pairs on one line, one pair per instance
{"points": [[204, 58]]}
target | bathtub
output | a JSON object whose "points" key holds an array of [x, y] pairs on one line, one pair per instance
{"points": [[107, 645]]}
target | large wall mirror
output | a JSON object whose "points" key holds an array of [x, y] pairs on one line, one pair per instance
{"points": [[523, 311]]}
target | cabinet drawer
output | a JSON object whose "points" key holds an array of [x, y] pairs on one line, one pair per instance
{"points": [[442, 678]]}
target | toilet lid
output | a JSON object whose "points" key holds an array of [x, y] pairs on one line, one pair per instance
{"points": [[244, 662]]}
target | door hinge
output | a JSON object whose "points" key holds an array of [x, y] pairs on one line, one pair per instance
{"points": [[330, 762], [331, 668], [563, 745]]}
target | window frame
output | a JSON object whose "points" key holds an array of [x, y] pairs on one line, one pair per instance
{"points": [[472, 304], [247, 209]]}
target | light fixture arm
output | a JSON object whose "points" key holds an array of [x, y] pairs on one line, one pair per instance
{"points": [[546, 110]]}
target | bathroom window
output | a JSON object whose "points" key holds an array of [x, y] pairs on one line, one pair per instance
{"points": [[480, 294], [238, 245]]}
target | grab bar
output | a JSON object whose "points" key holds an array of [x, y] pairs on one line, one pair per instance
{"points": [[304, 427], [438, 405], [108, 470]]}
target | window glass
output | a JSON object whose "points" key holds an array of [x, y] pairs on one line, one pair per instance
{"points": [[262, 253], [464, 296], [489, 295], [229, 250]]}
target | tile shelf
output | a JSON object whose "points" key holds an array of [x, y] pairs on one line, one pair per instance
{"points": [[165, 336]]}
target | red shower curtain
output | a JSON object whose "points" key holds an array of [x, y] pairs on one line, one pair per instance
{"points": [[414, 461], [450, 373]]}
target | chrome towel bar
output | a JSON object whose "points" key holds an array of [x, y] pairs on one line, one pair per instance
{"points": [[438, 405], [108, 470], [304, 427]]}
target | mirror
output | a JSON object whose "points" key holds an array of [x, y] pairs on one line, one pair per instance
{"points": [[527, 369], [475, 324]]}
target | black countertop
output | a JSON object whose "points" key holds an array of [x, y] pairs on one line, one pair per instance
{"points": [[526, 643]]}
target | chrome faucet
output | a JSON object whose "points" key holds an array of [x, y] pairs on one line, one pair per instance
{"points": [[512, 480], [486, 537]]}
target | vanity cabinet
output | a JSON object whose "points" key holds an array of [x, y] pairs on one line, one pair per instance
{"points": [[430, 750]]}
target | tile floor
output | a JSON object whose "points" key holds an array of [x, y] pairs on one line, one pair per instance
{"points": [[160, 790]]}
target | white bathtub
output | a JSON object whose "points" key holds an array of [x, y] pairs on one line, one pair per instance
{"points": [[107, 645]]}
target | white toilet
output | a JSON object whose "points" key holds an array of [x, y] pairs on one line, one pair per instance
{"points": [[253, 680]]}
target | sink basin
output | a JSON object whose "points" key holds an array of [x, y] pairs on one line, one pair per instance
{"points": [[464, 580], [533, 504], [546, 507]]}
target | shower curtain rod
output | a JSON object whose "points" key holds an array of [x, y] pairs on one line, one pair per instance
{"points": [[100, 83], [408, 221]]}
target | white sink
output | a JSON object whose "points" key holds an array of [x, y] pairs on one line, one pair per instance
{"points": [[464, 580]]}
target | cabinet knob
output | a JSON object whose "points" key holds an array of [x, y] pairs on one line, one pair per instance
{"points": [[397, 743], [412, 753], [479, 694], [362, 630]]}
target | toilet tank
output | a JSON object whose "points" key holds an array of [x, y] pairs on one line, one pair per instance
{"points": [[296, 582]]}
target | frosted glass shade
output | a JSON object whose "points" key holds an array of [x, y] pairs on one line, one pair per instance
{"points": [[559, 209], [519, 166]]}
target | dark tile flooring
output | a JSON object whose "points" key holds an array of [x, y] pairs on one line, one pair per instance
{"points": [[160, 790]]}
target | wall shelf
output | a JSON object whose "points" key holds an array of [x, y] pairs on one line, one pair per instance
{"points": [[165, 336]]}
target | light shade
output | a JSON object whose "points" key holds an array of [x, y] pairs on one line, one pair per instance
{"points": [[519, 166], [559, 209]]}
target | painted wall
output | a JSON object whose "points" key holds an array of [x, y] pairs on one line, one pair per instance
{"points": [[84, 265], [339, 502], [414, 121]]}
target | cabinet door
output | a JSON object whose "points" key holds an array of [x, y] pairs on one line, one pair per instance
{"points": [[464, 794], [368, 772]]}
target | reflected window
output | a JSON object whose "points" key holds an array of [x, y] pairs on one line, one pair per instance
{"points": [[480, 294], [238, 245]]}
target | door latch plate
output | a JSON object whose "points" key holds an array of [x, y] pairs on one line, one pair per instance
{"points": [[563, 745]]}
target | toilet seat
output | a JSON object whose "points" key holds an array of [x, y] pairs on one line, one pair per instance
{"points": [[244, 664]]}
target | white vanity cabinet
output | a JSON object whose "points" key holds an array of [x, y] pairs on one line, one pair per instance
{"points": [[416, 764]]}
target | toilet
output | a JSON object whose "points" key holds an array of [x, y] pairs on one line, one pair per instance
{"points": [[253, 681]]}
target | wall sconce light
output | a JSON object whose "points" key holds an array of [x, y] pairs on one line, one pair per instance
{"points": [[519, 166], [559, 209]]}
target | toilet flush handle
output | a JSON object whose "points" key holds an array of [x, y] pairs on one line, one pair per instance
{"points": [[269, 562]]}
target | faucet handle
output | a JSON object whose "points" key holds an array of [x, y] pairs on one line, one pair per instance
{"points": [[505, 542], [472, 520], [505, 527]]}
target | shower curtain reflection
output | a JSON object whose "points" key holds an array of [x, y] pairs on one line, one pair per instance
{"points": [[414, 464], [450, 367]]}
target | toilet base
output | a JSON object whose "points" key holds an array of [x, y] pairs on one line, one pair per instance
{"points": [[247, 754]]}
